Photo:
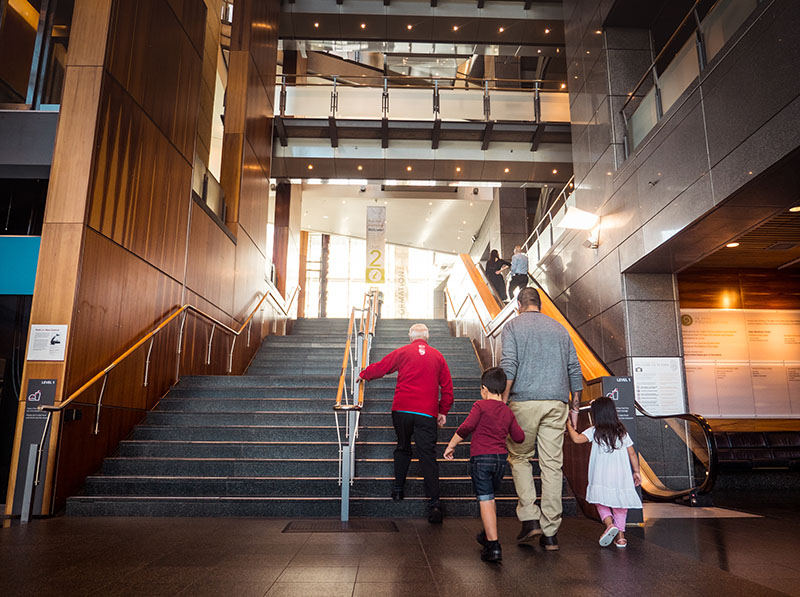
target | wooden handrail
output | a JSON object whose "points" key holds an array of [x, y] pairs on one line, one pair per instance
{"points": [[340, 389], [153, 333]]}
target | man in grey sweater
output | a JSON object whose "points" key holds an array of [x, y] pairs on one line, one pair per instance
{"points": [[542, 368]]}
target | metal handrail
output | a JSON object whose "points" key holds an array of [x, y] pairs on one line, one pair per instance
{"points": [[557, 204], [474, 307], [386, 81]]}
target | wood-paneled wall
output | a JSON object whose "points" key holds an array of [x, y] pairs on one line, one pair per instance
{"points": [[739, 289], [123, 243]]}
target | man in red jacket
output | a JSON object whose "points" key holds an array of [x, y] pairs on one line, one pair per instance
{"points": [[417, 409]]}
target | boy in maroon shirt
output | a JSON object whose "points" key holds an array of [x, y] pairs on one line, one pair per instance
{"points": [[490, 421]]}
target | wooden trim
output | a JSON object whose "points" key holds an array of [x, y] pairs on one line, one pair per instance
{"points": [[743, 425], [480, 285]]}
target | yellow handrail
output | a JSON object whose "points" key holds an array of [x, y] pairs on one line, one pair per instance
{"points": [[184, 308], [367, 322], [340, 389]]}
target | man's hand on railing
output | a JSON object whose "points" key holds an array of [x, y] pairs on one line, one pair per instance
{"points": [[441, 420]]}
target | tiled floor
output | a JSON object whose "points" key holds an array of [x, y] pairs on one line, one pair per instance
{"points": [[152, 556]]}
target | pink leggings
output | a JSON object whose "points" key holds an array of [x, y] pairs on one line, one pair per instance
{"points": [[617, 514]]}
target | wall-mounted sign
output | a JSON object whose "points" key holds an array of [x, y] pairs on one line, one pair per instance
{"points": [[376, 244], [47, 342], [658, 382]]}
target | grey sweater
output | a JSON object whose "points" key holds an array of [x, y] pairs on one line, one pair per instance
{"points": [[539, 356]]}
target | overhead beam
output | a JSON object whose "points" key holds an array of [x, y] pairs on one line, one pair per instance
{"points": [[384, 133], [537, 136], [480, 4], [487, 135], [280, 128], [433, 3], [437, 129], [333, 132], [528, 4]]}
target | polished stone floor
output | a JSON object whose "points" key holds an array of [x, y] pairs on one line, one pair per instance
{"points": [[159, 556]]}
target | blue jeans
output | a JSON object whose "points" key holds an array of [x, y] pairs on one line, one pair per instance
{"points": [[487, 474]]}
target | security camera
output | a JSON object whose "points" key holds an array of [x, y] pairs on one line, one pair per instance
{"points": [[273, 186], [363, 189], [475, 191]]}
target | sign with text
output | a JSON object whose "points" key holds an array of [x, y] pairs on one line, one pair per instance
{"points": [[658, 382], [47, 342], [39, 392], [376, 244]]}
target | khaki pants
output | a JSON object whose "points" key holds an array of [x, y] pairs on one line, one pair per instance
{"points": [[543, 422]]}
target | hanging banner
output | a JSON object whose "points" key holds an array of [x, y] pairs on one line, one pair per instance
{"points": [[376, 244]]}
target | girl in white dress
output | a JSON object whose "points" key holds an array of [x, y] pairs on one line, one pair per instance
{"points": [[613, 469]]}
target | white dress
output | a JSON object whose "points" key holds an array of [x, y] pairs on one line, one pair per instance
{"points": [[610, 475]]}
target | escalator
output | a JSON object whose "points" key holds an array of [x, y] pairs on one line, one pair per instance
{"points": [[677, 452]]}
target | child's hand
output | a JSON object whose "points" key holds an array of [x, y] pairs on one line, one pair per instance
{"points": [[448, 452], [573, 419], [637, 479]]}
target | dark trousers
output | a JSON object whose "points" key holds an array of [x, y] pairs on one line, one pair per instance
{"points": [[424, 432], [517, 281]]}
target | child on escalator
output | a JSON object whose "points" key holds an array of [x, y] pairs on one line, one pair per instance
{"points": [[613, 469]]}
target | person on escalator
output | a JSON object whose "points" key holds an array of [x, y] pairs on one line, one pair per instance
{"points": [[519, 271], [613, 469], [493, 268], [417, 409]]}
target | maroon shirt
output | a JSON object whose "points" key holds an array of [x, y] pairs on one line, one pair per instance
{"points": [[490, 422]]}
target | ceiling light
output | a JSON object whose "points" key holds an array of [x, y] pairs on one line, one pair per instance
{"points": [[598, 32], [316, 25], [501, 29], [470, 203], [311, 166], [458, 237], [732, 245], [578, 219], [324, 217], [538, 51], [458, 168], [588, 52], [360, 167], [455, 27], [408, 168], [506, 170], [430, 202], [344, 201], [555, 171], [363, 25], [558, 50], [795, 209], [409, 27], [385, 202], [563, 85], [463, 221], [547, 31], [576, 76]]}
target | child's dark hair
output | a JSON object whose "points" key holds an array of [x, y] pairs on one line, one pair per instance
{"points": [[495, 380], [608, 429]]}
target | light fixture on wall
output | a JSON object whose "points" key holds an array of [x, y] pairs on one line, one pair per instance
{"points": [[579, 219]]}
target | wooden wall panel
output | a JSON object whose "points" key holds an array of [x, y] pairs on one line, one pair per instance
{"points": [[739, 289], [141, 188], [211, 261], [254, 199], [250, 266]]}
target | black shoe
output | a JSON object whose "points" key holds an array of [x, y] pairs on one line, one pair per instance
{"points": [[397, 495], [492, 552], [549, 543], [529, 530], [481, 538], [435, 516]]}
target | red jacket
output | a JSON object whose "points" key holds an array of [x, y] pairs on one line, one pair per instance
{"points": [[421, 371]]}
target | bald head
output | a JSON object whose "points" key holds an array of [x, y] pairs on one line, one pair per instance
{"points": [[418, 331], [517, 250]]}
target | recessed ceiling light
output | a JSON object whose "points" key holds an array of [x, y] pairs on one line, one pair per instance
{"points": [[588, 52], [547, 31], [363, 25], [598, 31], [732, 245], [463, 221], [470, 203], [430, 202], [344, 201], [555, 171], [558, 50], [501, 29], [563, 85], [458, 168], [458, 237], [408, 168], [311, 166], [409, 27], [795, 209], [324, 217], [316, 25], [360, 167], [455, 27], [506, 170], [538, 51], [385, 202]]}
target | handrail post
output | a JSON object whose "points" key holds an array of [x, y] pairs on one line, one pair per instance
{"points": [[210, 340], [99, 405], [230, 356], [147, 362]]}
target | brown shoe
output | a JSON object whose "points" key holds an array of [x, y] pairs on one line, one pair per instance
{"points": [[529, 530], [549, 543]]}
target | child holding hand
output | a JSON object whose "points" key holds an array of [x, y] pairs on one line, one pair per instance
{"points": [[613, 469], [490, 421]]}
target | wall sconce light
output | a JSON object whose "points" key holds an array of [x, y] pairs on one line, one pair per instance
{"points": [[593, 240], [578, 219]]}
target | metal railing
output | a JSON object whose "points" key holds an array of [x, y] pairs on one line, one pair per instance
{"points": [[350, 399], [544, 228], [181, 312]]}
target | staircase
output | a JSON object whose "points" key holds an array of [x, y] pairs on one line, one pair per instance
{"points": [[265, 443]]}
